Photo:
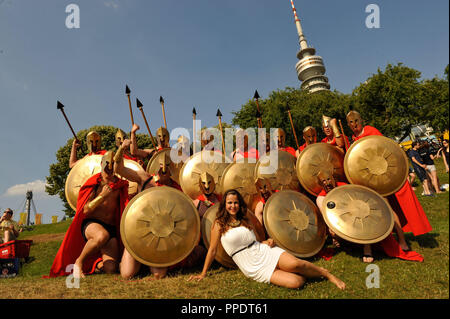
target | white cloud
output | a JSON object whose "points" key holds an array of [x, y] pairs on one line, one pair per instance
{"points": [[37, 187], [111, 4]]}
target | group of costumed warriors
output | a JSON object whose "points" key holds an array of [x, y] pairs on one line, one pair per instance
{"points": [[166, 216]]}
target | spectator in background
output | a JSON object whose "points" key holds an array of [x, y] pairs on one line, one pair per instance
{"points": [[428, 159], [8, 230], [419, 167], [443, 151]]}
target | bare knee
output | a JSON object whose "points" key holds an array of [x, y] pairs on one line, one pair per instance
{"points": [[158, 272], [295, 282], [101, 239]]}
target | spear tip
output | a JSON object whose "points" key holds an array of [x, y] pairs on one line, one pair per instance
{"points": [[127, 89], [59, 105], [194, 111], [219, 113], [161, 100], [256, 96], [138, 103]]}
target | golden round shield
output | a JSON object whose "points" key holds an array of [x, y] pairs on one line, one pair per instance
{"points": [[214, 163], [87, 167], [279, 168], [358, 214], [174, 168], [239, 176], [319, 157], [294, 223], [221, 255], [378, 163], [160, 226]]}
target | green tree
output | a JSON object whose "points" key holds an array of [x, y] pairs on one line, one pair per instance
{"points": [[435, 104], [306, 109], [389, 100], [60, 170]]}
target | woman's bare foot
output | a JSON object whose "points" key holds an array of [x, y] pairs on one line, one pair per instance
{"points": [[335, 280]]}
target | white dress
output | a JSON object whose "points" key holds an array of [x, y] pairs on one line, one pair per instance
{"points": [[257, 262]]}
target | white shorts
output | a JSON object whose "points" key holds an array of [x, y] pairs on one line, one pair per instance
{"points": [[430, 168]]}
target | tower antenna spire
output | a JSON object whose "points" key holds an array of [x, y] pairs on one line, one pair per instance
{"points": [[310, 68]]}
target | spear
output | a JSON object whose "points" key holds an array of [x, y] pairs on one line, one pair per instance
{"points": [[343, 134], [219, 115], [194, 114], [127, 92], [292, 124], [161, 100], [256, 97], [60, 107], [139, 105]]}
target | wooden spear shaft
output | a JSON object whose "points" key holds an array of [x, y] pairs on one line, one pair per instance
{"points": [[60, 106], [194, 143], [148, 128], [343, 134], [219, 115], [161, 100], [293, 129], [259, 112], [131, 112]]}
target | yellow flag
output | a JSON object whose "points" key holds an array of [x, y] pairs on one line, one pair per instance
{"points": [[54, 219], [23, 218], [37, 220]]}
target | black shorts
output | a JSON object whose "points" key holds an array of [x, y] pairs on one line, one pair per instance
{"points": [[109, 228], [420, 172]]}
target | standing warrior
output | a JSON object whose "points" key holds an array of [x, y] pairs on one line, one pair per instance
{"points": [[280, 139], [94, 142], [93, 238], [242, 149], [120, 137], [332, 134], [208, 198], [162, 137], [404, 202], [129, 266], [265, 190], [310, 137]]}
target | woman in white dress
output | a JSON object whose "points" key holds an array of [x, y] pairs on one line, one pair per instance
{"points": [[261, 261]]}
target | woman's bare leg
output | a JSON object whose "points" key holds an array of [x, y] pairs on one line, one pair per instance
{"points": [[287, 279], [289, 263]]}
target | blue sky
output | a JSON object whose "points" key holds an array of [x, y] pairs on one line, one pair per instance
{"points": [[197, 53]]}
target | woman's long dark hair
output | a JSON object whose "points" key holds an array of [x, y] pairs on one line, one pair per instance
{"points": [[223, 217]]}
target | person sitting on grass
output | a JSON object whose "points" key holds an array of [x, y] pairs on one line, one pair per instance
{"points": [[261, 261], [8, 231]]}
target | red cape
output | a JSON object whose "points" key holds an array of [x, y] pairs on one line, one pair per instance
{"points": [[251, 153], [73, 242], [288, 149], [367, 131], [130, 158], [333, 141], [101, 152]]}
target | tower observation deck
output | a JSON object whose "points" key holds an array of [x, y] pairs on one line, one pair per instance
{"points": [[310, 67]]}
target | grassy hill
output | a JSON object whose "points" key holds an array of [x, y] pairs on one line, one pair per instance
{"points": [[398, 278]]}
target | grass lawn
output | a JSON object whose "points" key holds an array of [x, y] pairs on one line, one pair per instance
{"points": [[398, 279]]}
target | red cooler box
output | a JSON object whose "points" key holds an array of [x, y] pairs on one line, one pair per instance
{"points": [[15, 249]]}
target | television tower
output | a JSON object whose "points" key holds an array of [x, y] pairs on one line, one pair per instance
{"points": [[310, 68]]}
